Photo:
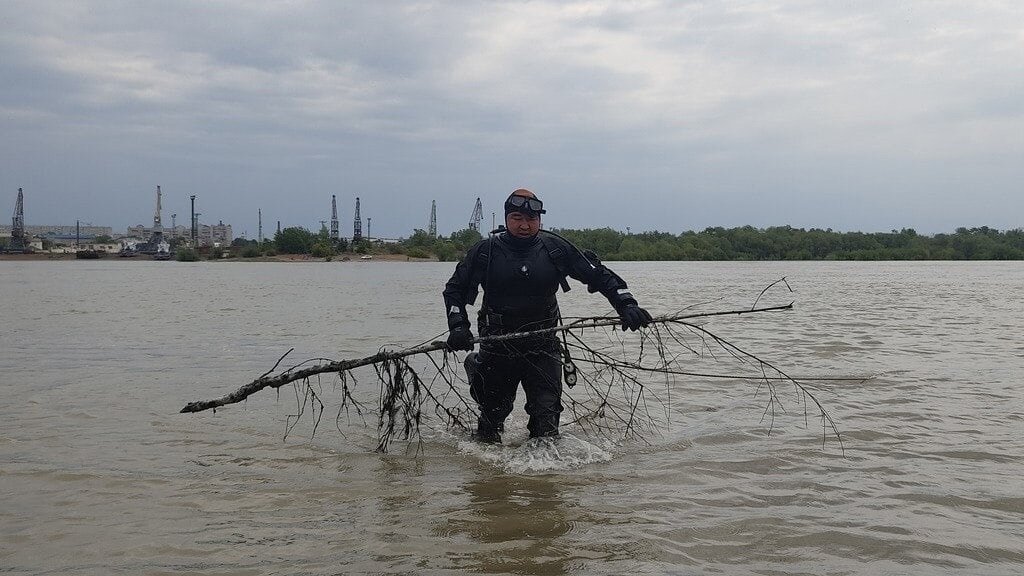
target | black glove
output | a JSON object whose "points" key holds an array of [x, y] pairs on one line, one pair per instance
{"points": [[460, 338], [633, 317]]}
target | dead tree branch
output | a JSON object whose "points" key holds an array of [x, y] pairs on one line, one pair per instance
{"points": [[340, 366], [617, 395]]}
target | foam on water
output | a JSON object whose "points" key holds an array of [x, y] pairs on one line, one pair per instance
{"points": [[532, 455]]}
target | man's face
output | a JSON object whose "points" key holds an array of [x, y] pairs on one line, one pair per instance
{"points": [[522, 225]]}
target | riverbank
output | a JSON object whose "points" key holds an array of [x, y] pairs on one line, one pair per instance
{"points": [[339, 258], [45, 256]]}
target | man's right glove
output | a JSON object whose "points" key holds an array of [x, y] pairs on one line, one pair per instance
{"points": [[633, 317], [460, 338]]}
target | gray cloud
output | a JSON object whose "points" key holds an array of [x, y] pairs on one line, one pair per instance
{"points": [[653, 115]]}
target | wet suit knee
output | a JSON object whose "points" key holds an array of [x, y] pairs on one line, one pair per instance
{"points": [[488, 387], [544, 398]]}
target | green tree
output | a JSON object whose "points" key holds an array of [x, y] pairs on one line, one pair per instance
{"points": [[362, 247], [605, 242], [186, 255], [295, 240], [446, 251], [775, 243], [421, 239], [322, 249], [465, 239]]}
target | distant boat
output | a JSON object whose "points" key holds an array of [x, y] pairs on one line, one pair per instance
{"points": [[366, 257]]}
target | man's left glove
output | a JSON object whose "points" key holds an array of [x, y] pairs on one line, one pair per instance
{"points": [[460, 338], [633, 317]]}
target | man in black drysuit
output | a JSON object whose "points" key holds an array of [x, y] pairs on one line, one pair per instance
{"points": [[520, 269]]}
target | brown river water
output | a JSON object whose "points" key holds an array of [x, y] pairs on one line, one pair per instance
{"points": [[100, 474]]}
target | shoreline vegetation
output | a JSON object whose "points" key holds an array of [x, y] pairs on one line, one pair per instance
{"points": [[711, 244]]}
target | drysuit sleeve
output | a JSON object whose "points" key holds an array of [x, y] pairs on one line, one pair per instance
{"points": [[587, 268], [462, 288]]}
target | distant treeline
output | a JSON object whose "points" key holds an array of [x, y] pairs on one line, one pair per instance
{"points": [[788, 243], [746, 243]]}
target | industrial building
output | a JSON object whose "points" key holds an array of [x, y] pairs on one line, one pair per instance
{"points": [[60, 232]]}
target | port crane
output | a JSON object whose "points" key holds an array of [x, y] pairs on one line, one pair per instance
{"points": [[334, 219], [18, 243], [432, 229], [478, 214], [357, 225]]}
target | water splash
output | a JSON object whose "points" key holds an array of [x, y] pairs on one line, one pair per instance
{"points": [[534, 455]]}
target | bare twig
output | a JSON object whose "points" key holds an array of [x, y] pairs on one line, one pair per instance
{"points": [[385, 355], [612, 396], [769, 287]]}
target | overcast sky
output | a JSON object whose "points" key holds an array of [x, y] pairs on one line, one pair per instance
{"points": [[650, 115]]}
